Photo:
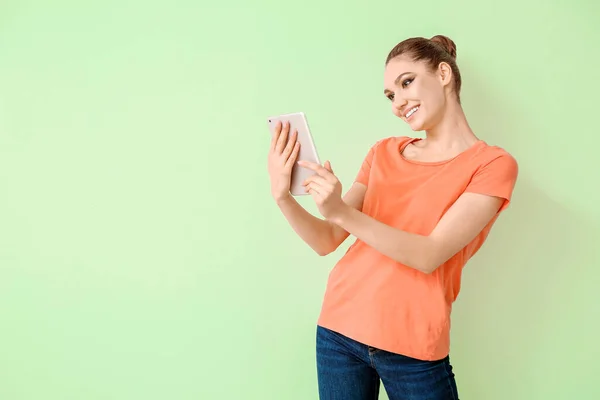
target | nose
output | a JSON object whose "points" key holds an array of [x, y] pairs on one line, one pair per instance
{"points": [[399, 103]]}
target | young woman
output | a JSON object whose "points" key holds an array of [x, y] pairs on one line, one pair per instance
{"points": [[419, 209]]}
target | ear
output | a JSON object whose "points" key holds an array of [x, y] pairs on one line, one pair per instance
{"points": [[445, 73]]}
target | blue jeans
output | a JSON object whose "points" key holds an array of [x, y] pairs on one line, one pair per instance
{"points": [[349, 370]]}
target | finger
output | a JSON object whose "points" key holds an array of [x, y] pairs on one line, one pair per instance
{"points": [[275, 136], [323, 190], [318, 180], [290, 144], [332, 178], [289, 164], [316, 196], [315, 167], [281, 142], [320, 170], [314, 189]]}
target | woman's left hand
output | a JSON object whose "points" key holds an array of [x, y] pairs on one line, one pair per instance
{"points": [[325, 188]]}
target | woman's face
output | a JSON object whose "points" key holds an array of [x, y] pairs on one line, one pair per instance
{"points": [[418, 95]]}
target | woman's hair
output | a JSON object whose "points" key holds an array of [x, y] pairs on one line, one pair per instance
{"points": [[432, 51]]}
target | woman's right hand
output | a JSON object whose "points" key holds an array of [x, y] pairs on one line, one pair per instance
{"points": [[282, 156]]}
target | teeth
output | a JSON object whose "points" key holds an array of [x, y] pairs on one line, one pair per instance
{"points": [[411, 112]]}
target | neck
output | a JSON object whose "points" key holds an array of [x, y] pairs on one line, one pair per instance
{"points": [[453, 130]]}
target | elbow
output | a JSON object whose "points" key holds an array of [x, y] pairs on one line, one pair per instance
{"points": [[321, 249], [428, 268], [421, 266], [328, 244], [428, 261], [324, 251], [433, 261]]}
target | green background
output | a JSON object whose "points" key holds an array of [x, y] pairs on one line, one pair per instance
{"points": [[141, 255]]}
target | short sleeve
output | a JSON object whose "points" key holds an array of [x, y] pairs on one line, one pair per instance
{"points": [[496, 178], [365, 168]]}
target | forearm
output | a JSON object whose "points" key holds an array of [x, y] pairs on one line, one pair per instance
{"points": [[415, 251], [319, 234]]}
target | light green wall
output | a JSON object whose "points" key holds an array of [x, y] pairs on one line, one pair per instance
{"points": [[141, 256]]}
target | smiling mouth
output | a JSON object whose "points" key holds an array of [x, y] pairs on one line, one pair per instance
{"points": [[411, 112]]}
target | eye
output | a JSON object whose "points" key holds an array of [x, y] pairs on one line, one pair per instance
{"points": [[407, 82], [390, 96]]}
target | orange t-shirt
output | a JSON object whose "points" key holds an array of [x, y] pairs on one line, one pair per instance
{"points": [[385, 304]]}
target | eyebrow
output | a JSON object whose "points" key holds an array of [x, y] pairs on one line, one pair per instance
{"points": [[397, 80]]}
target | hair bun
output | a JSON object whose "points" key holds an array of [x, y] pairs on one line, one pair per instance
{"points": [[446, 43]]}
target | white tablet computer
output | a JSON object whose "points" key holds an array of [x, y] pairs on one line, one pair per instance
{"points": [[308, 150]]}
